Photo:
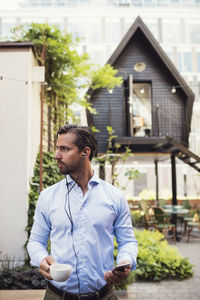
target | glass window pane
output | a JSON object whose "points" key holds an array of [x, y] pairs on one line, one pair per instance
{"points": [[162, 2], [137, 2], [98, 54], [187, 57], [27, 21], [57, 22], [198, 61], [153, 27], [180, 63], [128, 23], [140, 109], [194, 33], [6, 26], [185, 61], [149, 3], [169, 52], [152, 24], [112, 30], [171, 31], [87, 30], [170, 55]]}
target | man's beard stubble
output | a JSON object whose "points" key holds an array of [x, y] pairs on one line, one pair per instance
{"points": [[65, 169]]}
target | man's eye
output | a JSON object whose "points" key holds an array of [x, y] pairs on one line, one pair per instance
{"points": [[64, 148]]}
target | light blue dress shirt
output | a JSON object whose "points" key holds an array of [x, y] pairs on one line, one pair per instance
{"points": [[98, 216]]}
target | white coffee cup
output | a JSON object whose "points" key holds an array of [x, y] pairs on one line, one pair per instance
{"points": [[60, 272]]}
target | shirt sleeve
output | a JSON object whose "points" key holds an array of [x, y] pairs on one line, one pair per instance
{"points": [[37, 244], [127, 244]]}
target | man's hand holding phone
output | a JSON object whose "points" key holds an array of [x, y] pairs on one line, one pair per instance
{"points": [[119, 273], [121, 268]]}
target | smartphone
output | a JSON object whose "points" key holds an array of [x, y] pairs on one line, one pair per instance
{"points": [[121, 267]]}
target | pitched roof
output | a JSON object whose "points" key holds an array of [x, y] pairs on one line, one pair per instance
{"points": [[139, 24]]}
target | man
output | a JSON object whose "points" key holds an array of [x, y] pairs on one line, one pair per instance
{"points": [[81, 214]]}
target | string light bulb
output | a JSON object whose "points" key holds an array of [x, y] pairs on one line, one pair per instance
{"points": [[142, 91], [173, 90], [110, 91]]}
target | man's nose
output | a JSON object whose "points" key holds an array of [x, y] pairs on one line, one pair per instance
{"points": [[57, 154]]}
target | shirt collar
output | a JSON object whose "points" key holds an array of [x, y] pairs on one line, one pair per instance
{"points": [[93, 179]]}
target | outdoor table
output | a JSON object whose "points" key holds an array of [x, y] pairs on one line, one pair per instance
{"points": [[175, 210], [172, 206]]}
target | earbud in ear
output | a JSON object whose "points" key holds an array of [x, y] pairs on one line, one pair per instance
{"points": [[84, 155]]}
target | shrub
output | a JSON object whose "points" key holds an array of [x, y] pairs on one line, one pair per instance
{"points": [[137, 217], [21, 279], [157, 260]]}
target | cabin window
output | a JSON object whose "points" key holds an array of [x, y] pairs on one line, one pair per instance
{"points": [[140, 109]]}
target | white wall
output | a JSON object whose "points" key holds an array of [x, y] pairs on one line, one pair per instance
{"points": [[19, 136]]}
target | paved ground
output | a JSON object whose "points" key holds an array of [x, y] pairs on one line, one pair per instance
{"points": [[171, 290], [166, 290]]}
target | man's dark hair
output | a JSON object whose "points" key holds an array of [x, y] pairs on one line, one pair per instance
{"points": [[85, 137]]}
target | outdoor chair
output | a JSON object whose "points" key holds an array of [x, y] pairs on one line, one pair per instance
{"points": [[150, 221], [133, 205], [163, 222], [186, 220], [195, 223]]}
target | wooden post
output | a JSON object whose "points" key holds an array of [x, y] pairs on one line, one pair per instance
{"points": [[158, 119], [41, 134], [130, 99], [174, 192], [102, 174], [43, 56], [157, 181]]}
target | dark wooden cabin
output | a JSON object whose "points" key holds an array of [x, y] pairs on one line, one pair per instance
{"points": [[151, 112]]}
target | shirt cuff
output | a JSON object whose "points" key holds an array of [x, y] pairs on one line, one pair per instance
{"points": [[37, 257], [128, 259]]}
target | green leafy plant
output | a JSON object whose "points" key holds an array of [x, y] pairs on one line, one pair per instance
{"points": [[147, 195], [157, 260], [22, 278], [137, 217], [51, 175], [68, 74], [113, 158]]}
